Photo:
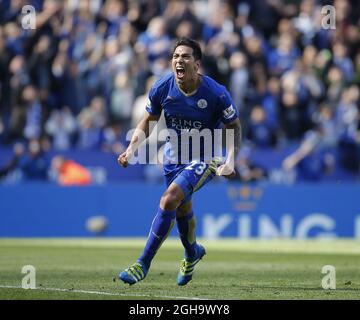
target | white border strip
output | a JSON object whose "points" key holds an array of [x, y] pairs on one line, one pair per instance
{"points": [[104, 293]]}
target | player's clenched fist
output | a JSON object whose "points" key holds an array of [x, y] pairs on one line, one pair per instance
{"points": [[226, 170], [123, 159]]}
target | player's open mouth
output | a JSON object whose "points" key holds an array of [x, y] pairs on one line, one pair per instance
{"points": [[180, 72]]}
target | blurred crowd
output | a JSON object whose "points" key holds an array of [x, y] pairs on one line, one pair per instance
{"points": [[80, 79]]}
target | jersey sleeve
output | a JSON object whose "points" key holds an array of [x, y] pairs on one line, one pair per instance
{"points": [[153, 105], [227, 107]]}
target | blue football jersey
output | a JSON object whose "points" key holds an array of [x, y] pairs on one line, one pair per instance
{"points": [[207, 108]]}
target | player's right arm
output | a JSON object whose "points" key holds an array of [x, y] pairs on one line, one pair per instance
{"points": [[145, 126], [142, 131]]}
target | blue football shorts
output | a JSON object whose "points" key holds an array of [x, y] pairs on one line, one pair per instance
{"points": [[190, 177]]}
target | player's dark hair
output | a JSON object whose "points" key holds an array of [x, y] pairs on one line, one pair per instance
{"points": [[192, 44]]}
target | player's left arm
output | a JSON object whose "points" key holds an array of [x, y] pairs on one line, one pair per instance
{"points": [[230, 118], [228, 168]]}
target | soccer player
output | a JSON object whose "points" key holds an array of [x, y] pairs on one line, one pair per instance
{"points": [[189, 101]]}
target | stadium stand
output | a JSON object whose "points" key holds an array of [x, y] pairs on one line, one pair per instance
{"points": [[70, 86]]}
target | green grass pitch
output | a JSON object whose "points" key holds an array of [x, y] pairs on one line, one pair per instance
{"points": [[232, 269]]}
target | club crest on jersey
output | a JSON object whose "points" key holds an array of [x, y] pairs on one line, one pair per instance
{"points": [[202, 103], [229, 112]]}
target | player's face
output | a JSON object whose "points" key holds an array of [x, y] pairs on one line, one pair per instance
{"points": [[184, 65]]}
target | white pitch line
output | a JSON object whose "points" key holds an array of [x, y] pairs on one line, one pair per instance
{"points": [[105, 293]]}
